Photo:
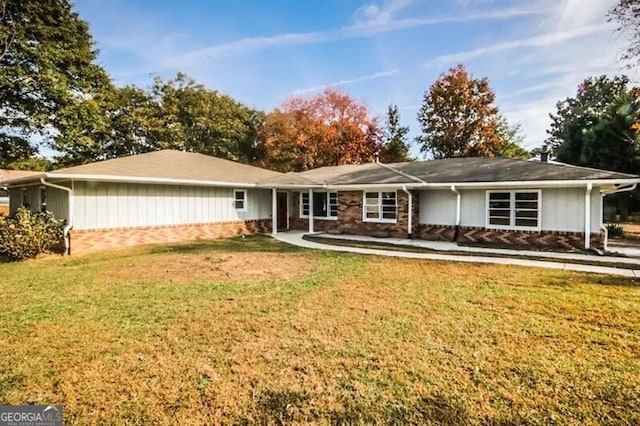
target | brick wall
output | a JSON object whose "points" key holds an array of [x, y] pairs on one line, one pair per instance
{"points": [[506, 238], [84, 241], [350, 216]]}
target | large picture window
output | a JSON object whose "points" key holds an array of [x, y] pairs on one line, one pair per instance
{"points": [[379, 207], [513, 209], [325, 205]]}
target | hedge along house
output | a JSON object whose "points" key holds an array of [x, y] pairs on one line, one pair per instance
{"points": [[162, 196], [486, 201]]}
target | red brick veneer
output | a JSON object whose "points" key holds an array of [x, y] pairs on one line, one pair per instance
{"points": [[88, 240], [507, 238], [350, 220]]}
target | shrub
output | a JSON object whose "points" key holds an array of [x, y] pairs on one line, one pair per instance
{"points": [[26, 234], [615, 230]]}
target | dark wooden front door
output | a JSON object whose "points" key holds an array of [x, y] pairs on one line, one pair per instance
{"points": [[283, 211]]}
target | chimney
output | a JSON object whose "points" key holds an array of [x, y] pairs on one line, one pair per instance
{"points": [[544, 154]]}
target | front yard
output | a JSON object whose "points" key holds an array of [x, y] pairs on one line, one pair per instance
{"points": [[252, 331]]}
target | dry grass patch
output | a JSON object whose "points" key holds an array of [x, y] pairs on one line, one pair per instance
{"points": [[319, 337], [228, 267]]}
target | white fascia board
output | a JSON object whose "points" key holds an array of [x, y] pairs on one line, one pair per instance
{"points": [[534, 183], [150, 180], [22, 180], [287, 186], [376, 186]]}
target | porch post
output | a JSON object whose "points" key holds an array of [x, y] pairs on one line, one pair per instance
{"points": [[587, 216], [310, 210], [274, 211]]}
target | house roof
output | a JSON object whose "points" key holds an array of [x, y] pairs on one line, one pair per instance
{"points": [[166, 166], [450, 171], [13, 174]]}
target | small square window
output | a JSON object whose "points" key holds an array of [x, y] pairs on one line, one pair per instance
{"points": [[240, 199]]}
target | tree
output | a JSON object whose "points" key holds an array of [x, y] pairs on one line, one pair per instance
{"points": [[394, 138], [326, 130], [193, 118], [627, 14], [575, 117], [598, 128], [511, 140], [46, 62], [458, 117]]}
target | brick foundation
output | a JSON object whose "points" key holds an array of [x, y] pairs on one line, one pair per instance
{"points": [[350, 221], [546, 240], [89, 240]]}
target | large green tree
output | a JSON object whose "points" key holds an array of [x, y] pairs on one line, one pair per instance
{"points": [[46, 64], [458, 117], [193, 118], [395, 147], [602, 106], [511, 140]]}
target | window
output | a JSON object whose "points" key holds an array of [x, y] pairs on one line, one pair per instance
{"points": [[325, 205], [513, 209], [379, 207], [240, 199]]}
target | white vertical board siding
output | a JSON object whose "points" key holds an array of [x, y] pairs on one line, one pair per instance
{"points": [[596, 210], [15, 199], [437, 207], [473, 206], [111, 205], [563, 209]]}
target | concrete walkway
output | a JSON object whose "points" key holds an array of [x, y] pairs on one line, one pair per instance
{"points": [[560, 261]]}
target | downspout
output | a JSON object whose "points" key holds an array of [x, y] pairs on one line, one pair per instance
{"points": [[410, 213], [587, 216], [69, 226], [458, 198]]}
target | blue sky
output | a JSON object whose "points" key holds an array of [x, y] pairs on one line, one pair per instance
{"points": [[534, 52]]}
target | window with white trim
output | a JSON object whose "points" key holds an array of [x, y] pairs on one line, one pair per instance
{"points": [[379, 207], [513, 209], [240, 199], [325, 205]]}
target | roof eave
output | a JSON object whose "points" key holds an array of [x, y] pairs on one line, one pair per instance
{"points": [[146, 180]]}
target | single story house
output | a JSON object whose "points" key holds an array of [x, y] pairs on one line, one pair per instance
{"points": [[4, 193], [169, 196]]}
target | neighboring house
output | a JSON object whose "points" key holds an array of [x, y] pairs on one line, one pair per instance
{"points": [[4, 193], [169, 196]]}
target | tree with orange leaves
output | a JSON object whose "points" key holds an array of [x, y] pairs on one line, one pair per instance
{"points": [[459, 118], [328, 129]]}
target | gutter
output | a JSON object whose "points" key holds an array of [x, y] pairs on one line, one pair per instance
{"points": [[69, 226], [458, 204], [409, 213]]}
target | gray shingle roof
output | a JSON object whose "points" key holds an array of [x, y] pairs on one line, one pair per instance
{"points": [[451, 170], [175, 165]]}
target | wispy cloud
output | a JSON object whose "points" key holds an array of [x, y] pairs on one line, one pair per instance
{"points": [[375, 26], [537, 41], [346, 82]]}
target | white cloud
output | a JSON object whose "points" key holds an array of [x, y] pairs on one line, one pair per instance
{"points": [[346, 82], [536, 41], [382, 23]]}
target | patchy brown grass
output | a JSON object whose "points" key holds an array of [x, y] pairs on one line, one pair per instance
{"points": [[632, 230], [311, 337]]}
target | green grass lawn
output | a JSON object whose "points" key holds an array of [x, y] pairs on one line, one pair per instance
{"points": [[252, 331]]}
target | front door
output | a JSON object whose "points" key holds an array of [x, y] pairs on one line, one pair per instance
{"points": [[283, 211]]}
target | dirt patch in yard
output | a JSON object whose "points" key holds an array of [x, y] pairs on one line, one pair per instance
{"points": [[234, 266]]}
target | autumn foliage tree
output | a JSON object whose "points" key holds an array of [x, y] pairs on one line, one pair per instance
{"points": [[394, 137], [329, 129], [458, 117]]}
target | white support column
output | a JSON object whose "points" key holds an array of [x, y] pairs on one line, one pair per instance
{"points": [[274, 211], [587, 216], [310, 211]]}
